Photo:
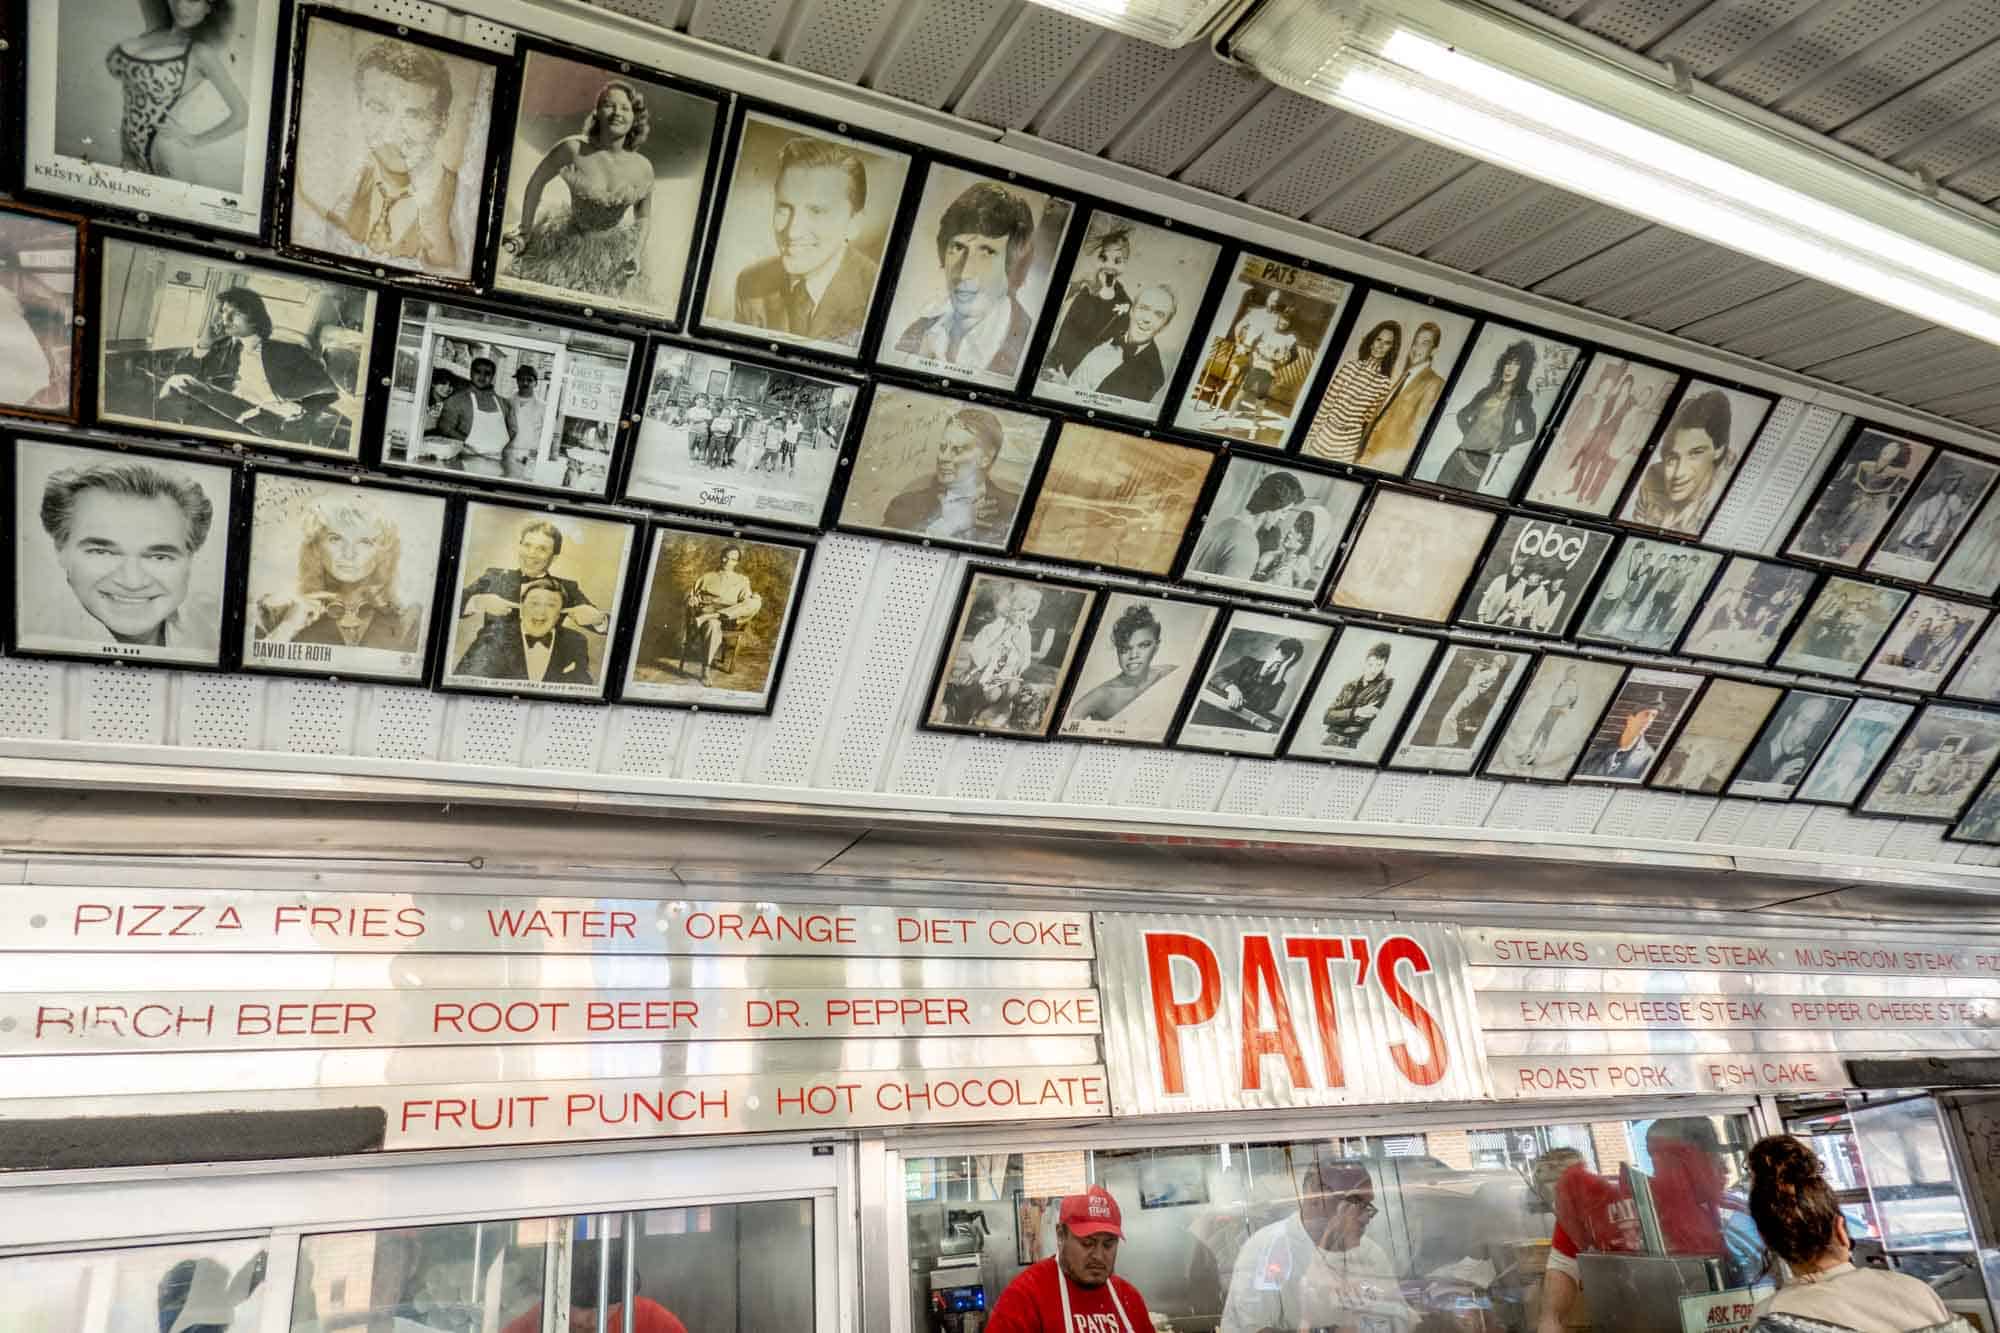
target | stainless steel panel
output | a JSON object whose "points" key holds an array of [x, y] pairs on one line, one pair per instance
{"points": [[1598, 1076], [1749, 954], [1536, 1011]]}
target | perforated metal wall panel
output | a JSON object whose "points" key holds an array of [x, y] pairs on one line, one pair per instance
{"points": [[939, 47]]}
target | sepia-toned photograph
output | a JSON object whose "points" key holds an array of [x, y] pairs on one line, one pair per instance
{"points": [[343, 578], [1534, 579], [1140, 662], [1981, 822], [1386, 385], [1925, 644], [714, 620], [1860, 496], [1718, 732], [1597, 442], [1688, 472], [1841, 630], [1467, 697], [1937, 765], [797, 256], [119, 555], [389, 150], [1370, 678], [1857, 749], [538, 601], [1978, 676], [1784, 752], [1498, 408], [1754, 603], [930, 468], [1127, 308], [39, 334], [1937, 511], [1412, 557], [1272, 529], [513, 400], [1974, 564], [725, 436], [1626, 742], [605, 171], [161, 107], [1253, 683], [1649, 594], [975, 277], [1552, 723], [1261, 349], [1116, 500], [201, 345], [1009, 653]]}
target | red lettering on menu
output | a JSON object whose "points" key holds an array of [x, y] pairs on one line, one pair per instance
{"points": [[328, 1018], [362, 923], [770, 928], [1169, 1014], [153, 920], [1319, 953], [1261, 987], [1393, 953], [562, 923], [1541, 951]]}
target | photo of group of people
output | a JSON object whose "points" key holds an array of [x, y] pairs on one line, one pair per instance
{"points": [[1261, 350], [1649, 594], [1535, 577], [1386, 385]]}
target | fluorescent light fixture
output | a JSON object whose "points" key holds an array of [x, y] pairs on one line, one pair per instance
{"points": [[1161, 22], [1493, 89]]}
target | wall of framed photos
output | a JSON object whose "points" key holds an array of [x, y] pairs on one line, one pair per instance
{"points": [[1047, 498]]}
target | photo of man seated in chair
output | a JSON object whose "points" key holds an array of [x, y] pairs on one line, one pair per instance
{"points": [[716, 618]]}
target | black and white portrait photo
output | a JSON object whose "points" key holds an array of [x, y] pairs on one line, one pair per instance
{"points": [[1751, 607], [1534, 578], [1370, 678], [1467, 697], [1859, 497], [604, 187], [1497, 410], [1855, 752], [1009, 653], [1937, 511], [1793, 738], [1926, 643], [1553, 721], [1718, 732], [1974, 564], [390, 149], [1272, 529], [201, 345], [716, 615], [1602, 430], [1412, 557], [40, 334], [1254, 681], [722, 435], [941, 469], [1684, 477], [537, 602], [806, 216], [119, 555], [1125, 313], [1937, 765], [1141, 659], [1261, 350], [1981, 822], [516, 400], [1649, 594], [343, 578], [1386, 385], [1114, 499], [1840, 630], [1627, 740], [157, 106], [1978, 675]]}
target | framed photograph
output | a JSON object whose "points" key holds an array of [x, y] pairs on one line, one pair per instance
{"points": [[977, 265], [119, 555], [538, 598], [1838, 634], [1011, 646], [1938, 763], [1498, 406], [1859, 497], [1855, 752], [1925, 644], [1119, 501], [1173, 1179], [1462, 709], [41, 267], [1385, 387], [194, 343], [1981, 822], [934, 469], [1974, 564], [1600, 434], [1262, 347], [343, 579], [1554, 718], [1626, 742], [521, 402], [391, 136], [1253, 682], [1718, 733], [1749, 611], [1978, 676], [777, 452], [159, 109], [1791, 741], [1130, 298], [1136, 671], [1689, 468], [1938, 511], [1535, 576], [1362, 693], [1272, 529], [606, 178], [796, 255], [1649, 594], [1412, 557], [715, 620]]}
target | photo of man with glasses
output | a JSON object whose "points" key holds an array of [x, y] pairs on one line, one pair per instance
{"points": [[1316, 1267]]}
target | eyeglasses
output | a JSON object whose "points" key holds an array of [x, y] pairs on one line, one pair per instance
{"points": [[1368, 1209]]}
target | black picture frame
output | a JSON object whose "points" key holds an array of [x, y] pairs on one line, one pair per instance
{"points": [[1522, 665], [1911, 728], [1436, 647], [1212, 659], [1683, 394], [1040, 493], [1382, 494], [1978, 616], [1581, 630], [1499, 555], [1685, 646], [1533, 447], [1545, 452], [1984, 833], [1185, 571], [1857, 435], [1825, 587], [73, 326], [1561, 653], [1101, 624], [1667, 738], [1844, 704], [947, 651], [1911, 501], [1858, 704], [1715, 684]]}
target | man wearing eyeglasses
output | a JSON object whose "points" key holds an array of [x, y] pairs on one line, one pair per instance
{"points": [[1316, 1269]]}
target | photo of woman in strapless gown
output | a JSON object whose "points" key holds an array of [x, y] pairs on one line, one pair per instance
{"points": [[160, 70]]}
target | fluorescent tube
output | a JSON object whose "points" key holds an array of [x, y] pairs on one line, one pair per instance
{"points": [[1161, 22]]}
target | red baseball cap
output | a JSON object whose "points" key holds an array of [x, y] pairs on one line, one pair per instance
{"points": [[1090, 1213]]}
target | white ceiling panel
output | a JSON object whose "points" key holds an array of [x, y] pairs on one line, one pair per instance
{"points": [[1742, 282], [1273, 130], [1343, 149], [1040, 50], [840, 38], [1798, 300], [941, 45], [1204, 99], [1608, 279], [1468, 204], [1814, 346], [1716, 37], [1533, 212], [1817, 42], [1592, 230], [1905, 56], [1396, 182], [1111, 89], [1635, 23], [747, 25]]}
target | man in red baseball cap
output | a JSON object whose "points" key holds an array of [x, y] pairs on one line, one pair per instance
{"points": [[1074, 1291]]}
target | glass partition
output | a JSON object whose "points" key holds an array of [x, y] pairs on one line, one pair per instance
{"points": [[211, 1287]]}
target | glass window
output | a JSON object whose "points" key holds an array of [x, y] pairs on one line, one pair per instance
{"points": [[213, 1287]]}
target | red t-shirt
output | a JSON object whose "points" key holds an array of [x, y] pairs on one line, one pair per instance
{"points": [[1033, 1303], [652, 1317]]}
